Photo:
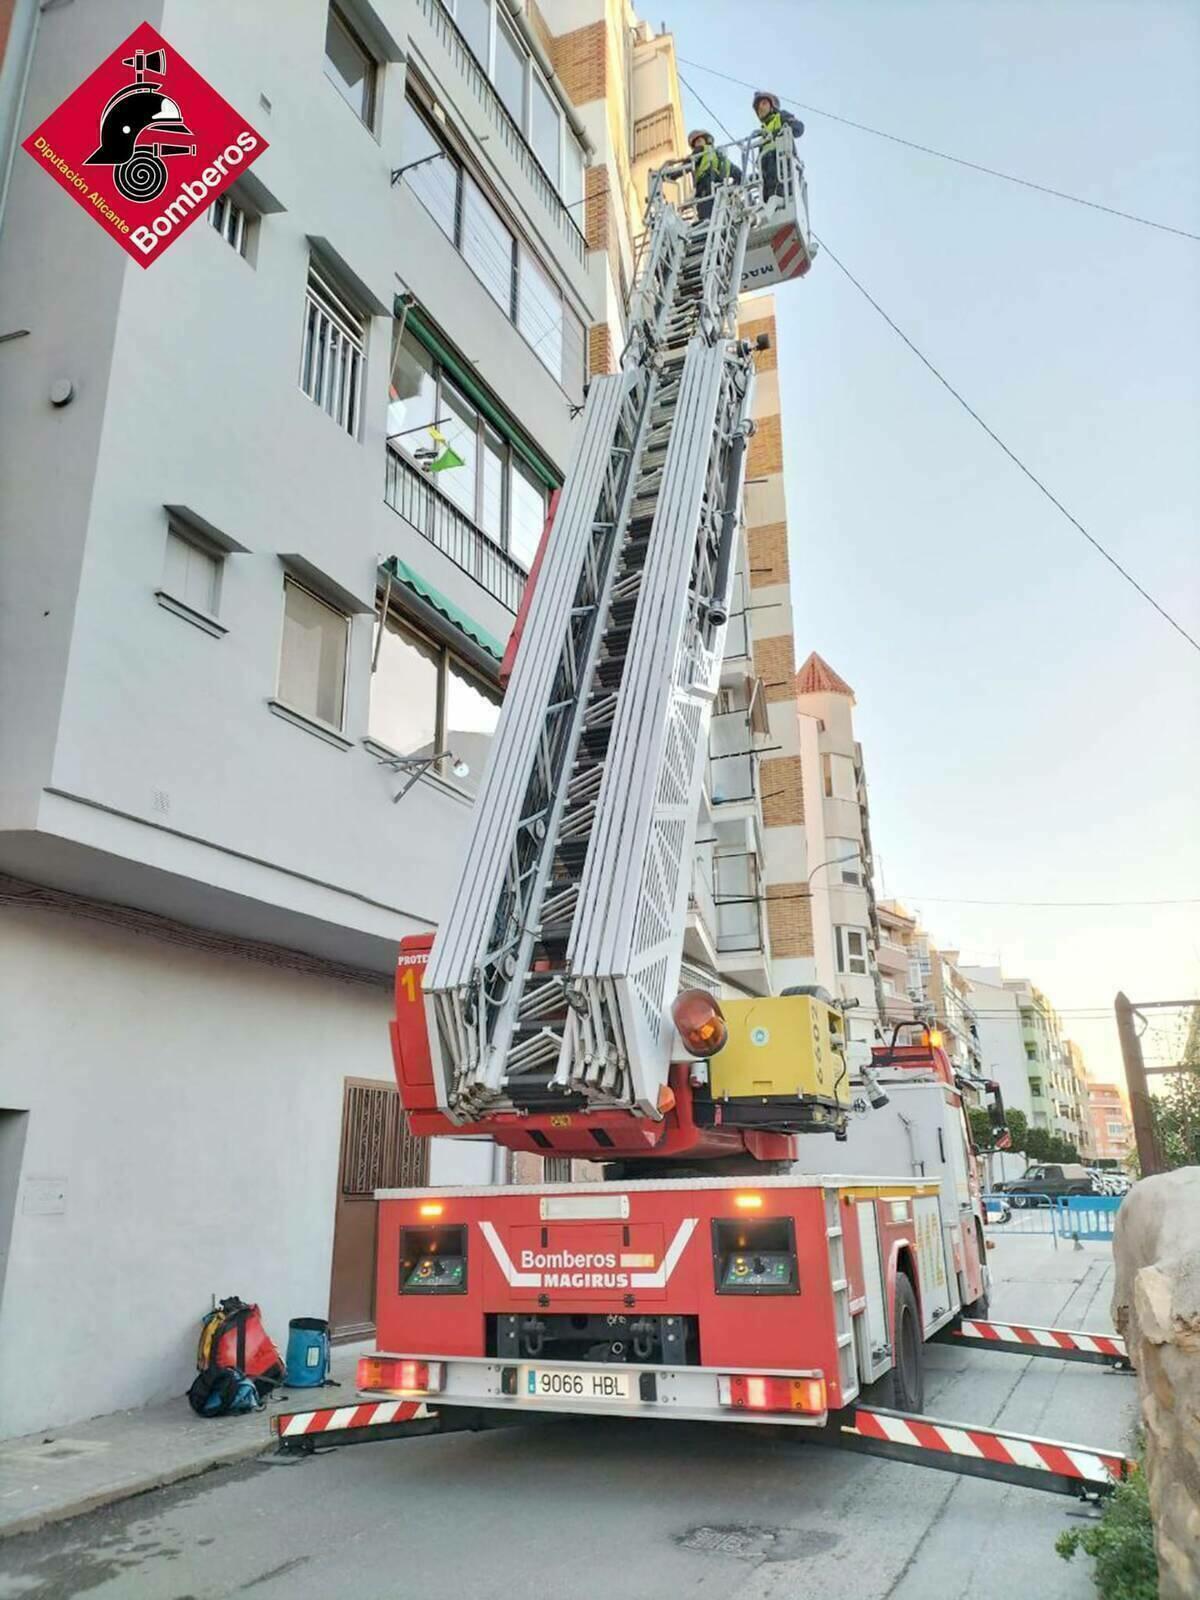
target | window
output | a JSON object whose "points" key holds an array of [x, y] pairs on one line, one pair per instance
{"points": [[852, 951], [231, 222], [424, 701], [1031, 1052], [1035, 1088], [488, 248], [436, 183], [333, 354], [191, 573], [527, 514], [838, 772], [572, 184], [545, 129], [540, 312], [484, 477], [350, 67], [508, 72], [508, 270], [845, 856], [474, 19], [1115, 1129], [312, 659]]}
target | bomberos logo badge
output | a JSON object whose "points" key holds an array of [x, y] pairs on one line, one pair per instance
{"points": [[145, 144]]}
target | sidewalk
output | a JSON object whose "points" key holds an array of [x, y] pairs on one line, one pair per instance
{"points": [[47, 1477]]}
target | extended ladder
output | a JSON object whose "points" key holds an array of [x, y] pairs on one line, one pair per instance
{"points": [[551, 976]]}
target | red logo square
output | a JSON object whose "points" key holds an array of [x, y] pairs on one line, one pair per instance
{"points": [[145, 144]]}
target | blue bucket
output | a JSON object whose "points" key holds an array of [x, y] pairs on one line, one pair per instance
{"points": [[307, 1352]]}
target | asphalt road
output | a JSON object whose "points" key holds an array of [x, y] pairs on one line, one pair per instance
{"points": [[622, 1510]]}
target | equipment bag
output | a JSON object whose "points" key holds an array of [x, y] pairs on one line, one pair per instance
{"points": [[223, 1392], [233, 1338]]}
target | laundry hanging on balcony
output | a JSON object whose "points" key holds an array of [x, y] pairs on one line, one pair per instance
{"points": [[449, 456]]}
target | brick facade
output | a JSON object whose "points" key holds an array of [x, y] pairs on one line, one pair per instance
{"points": [[766, 448], [789, 919], [601, 356], [782, 791], [581, 62], [775, 664], [764, 360], [767, 553]]}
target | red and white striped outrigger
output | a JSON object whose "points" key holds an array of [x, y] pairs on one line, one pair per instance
{"points": [[1072, 1469], [1061, 1344]]}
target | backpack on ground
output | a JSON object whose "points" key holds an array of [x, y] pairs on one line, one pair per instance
{"points": [[223, 1392], [235, 1346]]}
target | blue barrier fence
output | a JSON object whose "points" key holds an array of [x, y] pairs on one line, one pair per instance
{"points": [[1073, 1216]]}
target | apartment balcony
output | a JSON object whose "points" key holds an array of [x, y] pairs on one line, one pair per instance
{"points": [[700, 937], [743, 945], [458, 59], [892, 960], [411, 495]]}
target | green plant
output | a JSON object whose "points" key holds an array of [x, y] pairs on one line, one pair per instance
{"points": [[1121, 1543]]}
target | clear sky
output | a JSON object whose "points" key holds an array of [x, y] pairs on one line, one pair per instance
{"points": [[1030, 726]]}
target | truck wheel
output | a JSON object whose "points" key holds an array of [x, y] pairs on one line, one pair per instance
{"points": [[908, 1348]]}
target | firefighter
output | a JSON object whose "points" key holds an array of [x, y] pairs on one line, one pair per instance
{"points": [[710, 166], [774, 120]]}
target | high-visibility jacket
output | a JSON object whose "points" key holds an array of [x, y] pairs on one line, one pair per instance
{"points": [[712, 162], [773, 126]]}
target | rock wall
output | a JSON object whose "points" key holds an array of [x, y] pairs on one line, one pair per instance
{"points": [[1156, 1308]]}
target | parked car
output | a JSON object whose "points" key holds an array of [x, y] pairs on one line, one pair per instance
{"points": [[1042, 1184]]}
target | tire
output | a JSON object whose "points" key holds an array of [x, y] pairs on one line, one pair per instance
{"points": [[1018, 1201], [907, 1376]]}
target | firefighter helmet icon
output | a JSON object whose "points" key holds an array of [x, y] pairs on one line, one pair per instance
{"points": [[139, 170]]}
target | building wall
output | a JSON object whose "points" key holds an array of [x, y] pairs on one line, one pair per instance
{"points": [[1001, 1052], [1112, 1124], [142, 1129]]}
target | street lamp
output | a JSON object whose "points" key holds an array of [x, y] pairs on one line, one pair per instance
{"points": [[834, 861]]}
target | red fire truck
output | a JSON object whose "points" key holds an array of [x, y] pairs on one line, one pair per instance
{"points": [[776, 1233]]}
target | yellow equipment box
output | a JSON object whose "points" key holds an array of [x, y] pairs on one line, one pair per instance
{"points": [[784, 1047]]}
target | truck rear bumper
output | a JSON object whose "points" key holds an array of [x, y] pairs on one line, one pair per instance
{"points": [[694, 1394]]}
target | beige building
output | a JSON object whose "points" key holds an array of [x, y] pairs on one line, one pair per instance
{"points": [[1076, 1098], [937, 986]]}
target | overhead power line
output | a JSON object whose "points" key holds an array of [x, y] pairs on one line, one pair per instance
{"points": [[944, 155], [1011, 454]]}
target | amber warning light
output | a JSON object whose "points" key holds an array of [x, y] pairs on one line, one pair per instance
{"points": [[700, 1021]]}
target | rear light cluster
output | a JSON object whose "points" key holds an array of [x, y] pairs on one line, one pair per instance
{"points": [[749, 1392], [400, 1375]]}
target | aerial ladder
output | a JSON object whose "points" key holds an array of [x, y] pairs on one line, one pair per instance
{"points": [[546, 1013], [550, 981]]}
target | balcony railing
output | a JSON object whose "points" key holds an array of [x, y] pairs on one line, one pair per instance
{"points": [[511, 136], [411, 495]]}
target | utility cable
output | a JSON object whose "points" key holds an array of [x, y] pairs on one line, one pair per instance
{"points": [[1012, 456], [943, 155]]}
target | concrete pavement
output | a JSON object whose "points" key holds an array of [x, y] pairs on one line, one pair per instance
{"points": [[624, 1509], [63, 1472]]}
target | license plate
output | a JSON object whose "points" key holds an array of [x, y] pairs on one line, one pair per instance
{"points": [[553, 1383]]}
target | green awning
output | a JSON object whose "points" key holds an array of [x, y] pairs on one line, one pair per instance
{"points": [[471, 386], [403, 573]]}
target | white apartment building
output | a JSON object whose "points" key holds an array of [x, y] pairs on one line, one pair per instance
{"points": [[232, 591], [251, 621], [1001, 1045]]}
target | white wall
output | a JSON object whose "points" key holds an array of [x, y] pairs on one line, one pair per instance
{"points": [[191, 1105], [1001, 1045]]}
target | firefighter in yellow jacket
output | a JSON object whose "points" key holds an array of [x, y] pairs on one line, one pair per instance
{"points": [[773, 122], [710, 167]]}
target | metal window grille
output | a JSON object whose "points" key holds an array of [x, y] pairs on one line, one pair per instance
{"points": [[556, 1169], [378, 1151], [333, 354], [230, 221]]}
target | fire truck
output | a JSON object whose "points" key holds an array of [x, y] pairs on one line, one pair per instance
{"points": [[777, 1234]]}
